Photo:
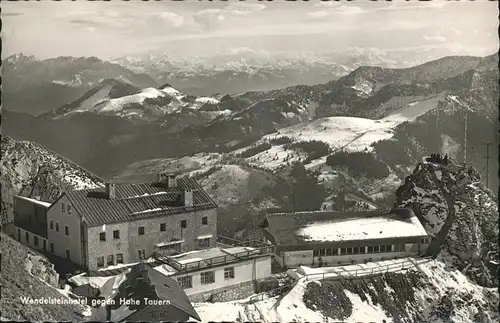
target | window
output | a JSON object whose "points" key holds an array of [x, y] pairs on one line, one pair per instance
{"points": [[388, 248], [51, 247], [27, 236], [355, 250], [51, 225], [370, 249], [163, 227], [110, 260], [322, 252], [100, 261], [315, 253], [141, 231], [204, 243], [329, 252], [102, 236], [57, 226], [63, 207], [183, 224], [44, 245], [185, 281], [142, 254], [35, 238], [116, 234], [69, 209], [362, 249], [382, 248], [228, 272], [66, 230], [19, 234], [204, 220], [207, 277], [68, 255], [376, 248], [343, 251], [119, 258], [349, 251]]}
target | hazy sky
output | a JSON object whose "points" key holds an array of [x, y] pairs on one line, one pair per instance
{"points": [[116, 28]]}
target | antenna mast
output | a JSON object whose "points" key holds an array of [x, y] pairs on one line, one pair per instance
{"points": [[487, 144], [465, 139]]}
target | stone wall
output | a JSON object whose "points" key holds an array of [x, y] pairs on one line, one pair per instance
{"points": [[226, 294]]}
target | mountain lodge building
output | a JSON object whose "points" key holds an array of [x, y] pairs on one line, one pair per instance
{"points": [[341, 238], [122, 223]]}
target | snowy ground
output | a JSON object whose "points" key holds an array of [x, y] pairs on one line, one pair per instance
{"points": [[348, 133], [291, 307]]}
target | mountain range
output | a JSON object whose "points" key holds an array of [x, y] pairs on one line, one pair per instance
{"points": [[361, 133], [360, 141], [243, 69]]}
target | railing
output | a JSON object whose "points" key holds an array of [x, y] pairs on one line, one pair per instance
{"points": [[337, 273], [237, 243], [269, 293], [209, 262]]}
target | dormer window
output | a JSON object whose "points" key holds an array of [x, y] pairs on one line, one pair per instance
{"points": [[63, 209]]}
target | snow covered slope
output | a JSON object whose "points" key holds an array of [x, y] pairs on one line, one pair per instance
{"points": [[115, 98], [340, 133], [429, 293]]}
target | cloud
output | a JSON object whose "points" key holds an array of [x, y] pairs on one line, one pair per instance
{"points": [[244, 9], [12, 14], [208, 19], [98, 23], [403, 5], [435, 38], [335, 8], [318, 14], [171, 18]]}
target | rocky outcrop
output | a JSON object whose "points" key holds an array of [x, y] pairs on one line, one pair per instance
{"points": [[460, 214], [40, 267]]}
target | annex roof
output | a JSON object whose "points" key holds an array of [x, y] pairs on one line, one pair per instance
{"points": [[313, 227], [135, 201], [144, 282], [34, 201]]}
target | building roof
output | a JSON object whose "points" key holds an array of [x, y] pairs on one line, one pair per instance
{"points": [[144, 282], [34, 201], [202, 259], [136, 201], [313, 227]]}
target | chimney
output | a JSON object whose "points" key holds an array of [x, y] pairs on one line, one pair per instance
{"points": [[188, 198], [161, 178], [172, 181], [110, 191]]}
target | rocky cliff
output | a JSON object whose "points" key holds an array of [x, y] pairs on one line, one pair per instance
{"points": [[460, 214]]}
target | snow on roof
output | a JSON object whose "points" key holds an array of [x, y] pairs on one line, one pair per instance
{"points": [[206, 236], [169, 243], [189, 260], [300, 227], [361, 229], [165, 270], [82, 279], [46, 204]]}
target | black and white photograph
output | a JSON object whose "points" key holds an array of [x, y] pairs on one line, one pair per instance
{"points": [[250, 161]]}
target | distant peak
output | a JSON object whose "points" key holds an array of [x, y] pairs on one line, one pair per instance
{"points": [[165, 86]]}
